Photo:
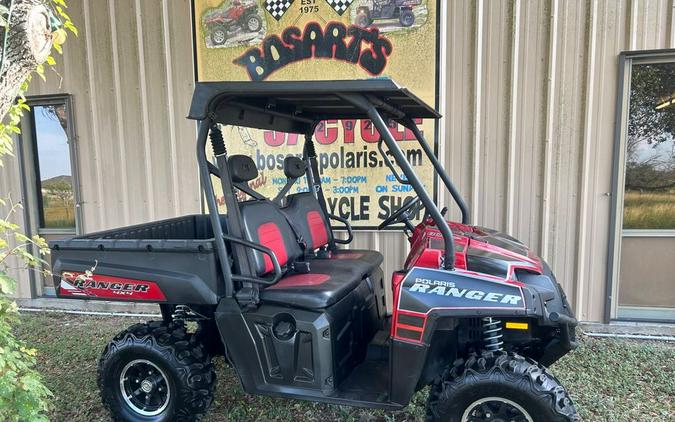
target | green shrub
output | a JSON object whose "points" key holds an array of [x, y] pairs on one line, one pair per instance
{"points": [[23, 396]]}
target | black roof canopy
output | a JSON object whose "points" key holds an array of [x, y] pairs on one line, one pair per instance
{"points": [[295, 106]]}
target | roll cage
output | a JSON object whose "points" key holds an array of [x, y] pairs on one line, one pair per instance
{"points": [[298, 107]]}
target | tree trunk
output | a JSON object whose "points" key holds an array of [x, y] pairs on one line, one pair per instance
{"points": [[29, 41]]}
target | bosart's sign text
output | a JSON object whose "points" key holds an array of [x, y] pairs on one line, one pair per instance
{"points": [[366, 48]]}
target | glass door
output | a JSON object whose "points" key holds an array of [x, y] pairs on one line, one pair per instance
{"points": [[646, 273], [51, 198]]}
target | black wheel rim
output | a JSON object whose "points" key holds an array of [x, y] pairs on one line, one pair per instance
{"points": [[144, 387], [495, 409]]}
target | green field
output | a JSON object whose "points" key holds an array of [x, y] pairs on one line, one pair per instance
{"points": [[609, 380], [57, 217], [649, 210]]}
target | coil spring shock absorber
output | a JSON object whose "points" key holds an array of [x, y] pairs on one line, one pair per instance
{"points": [[492, 334], [217, 141]]}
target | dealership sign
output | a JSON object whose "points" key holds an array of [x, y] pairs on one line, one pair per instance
{"points": [[277, 40]]}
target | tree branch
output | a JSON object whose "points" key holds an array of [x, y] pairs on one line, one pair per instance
{"points": [[28, 44]]}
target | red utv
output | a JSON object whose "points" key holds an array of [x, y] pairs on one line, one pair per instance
{"points": [[374, 10], [476, 315], [222, 22]]}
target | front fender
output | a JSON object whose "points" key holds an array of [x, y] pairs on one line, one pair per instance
{"points": [[430, 304]]}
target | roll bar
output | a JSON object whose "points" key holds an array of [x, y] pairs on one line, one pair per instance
{"points": [[410, 124], [207, 188], [368, 106]]}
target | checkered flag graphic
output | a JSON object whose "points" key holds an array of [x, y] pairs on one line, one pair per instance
{"points": [[340, 5], [277, 8]]}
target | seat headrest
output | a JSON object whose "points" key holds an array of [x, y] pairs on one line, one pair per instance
{"points": [[294, 167], [242, 168]]}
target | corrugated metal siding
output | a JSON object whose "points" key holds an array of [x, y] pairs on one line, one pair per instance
{"points": [[530, 113], [131, 76], [529, 92], [10, 187]]}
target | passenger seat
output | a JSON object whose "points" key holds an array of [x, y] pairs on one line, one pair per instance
{"points": [[310, 221], [323, 285]]}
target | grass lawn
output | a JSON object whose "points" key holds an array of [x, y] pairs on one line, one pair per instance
{"points": [[609, 380], [649, 210]]}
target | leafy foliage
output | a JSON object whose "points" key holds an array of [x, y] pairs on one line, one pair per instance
{"points": [[23, 396]]}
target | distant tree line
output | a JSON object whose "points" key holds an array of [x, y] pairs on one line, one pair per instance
{"points": [[651, 86]]}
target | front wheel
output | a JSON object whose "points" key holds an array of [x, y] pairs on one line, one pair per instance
{"points": [[218, 35], [362, 20], [155, 372], [253, 23], [499, 386]]}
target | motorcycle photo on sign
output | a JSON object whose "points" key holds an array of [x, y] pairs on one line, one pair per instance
{"points": [[389, 15], [233, 22]]}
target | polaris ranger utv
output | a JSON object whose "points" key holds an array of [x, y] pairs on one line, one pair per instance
{"points": [[374, 10], [476, 315]]}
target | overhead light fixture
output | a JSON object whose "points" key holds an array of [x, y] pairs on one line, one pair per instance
{"points": [[664, 104], [668, 101]]}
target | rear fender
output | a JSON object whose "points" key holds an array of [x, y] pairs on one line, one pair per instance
{"points": [[129, 284]]}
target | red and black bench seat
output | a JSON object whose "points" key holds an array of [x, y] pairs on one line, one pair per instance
{"points": [[326, 282], [304, 211]]}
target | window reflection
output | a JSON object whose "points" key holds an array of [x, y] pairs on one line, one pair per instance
{"points": [[649, 201], [53, 169]]}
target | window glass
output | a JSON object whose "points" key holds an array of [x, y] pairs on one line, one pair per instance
{"points": [[649, 201], [53, 168]]}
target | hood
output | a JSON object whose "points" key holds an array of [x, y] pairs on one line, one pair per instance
{"points": [[487, 251]]}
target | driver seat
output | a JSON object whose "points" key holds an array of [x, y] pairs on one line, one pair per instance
{"points": [[311, 223]]}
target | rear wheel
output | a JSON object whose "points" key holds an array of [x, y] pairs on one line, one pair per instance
{"points": [[407, 17], [496, 387], [156, 372]]}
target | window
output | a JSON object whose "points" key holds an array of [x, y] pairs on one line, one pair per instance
{"points": [[53, 168], [649, 198], [642, 284]]}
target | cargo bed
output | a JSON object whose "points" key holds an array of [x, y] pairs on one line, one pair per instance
{"points": [[169, 261]]}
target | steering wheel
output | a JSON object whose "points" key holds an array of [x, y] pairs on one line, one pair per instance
{"points": [[403, 214]]}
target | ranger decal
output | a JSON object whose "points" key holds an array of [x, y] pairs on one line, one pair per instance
{"points": [[98, 286], [424, 289]]}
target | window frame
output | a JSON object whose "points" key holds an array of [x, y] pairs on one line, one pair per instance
{"points": [[616, 230], [32, 163]]}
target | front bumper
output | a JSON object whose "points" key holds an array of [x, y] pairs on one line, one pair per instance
{"points": [[548, 303]]}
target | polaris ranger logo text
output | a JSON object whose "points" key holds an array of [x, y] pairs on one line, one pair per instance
{"points": [[424, 289], [75, 284], [449, 288], [121, 287]]}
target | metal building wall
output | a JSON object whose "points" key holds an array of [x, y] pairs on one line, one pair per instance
{"points": [[528, 87], [530, 111], [131, 76], [10, 188]]}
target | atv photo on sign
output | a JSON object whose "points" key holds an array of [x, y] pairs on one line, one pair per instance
{"points": [[234, 22], [389, 15], [476, 315]]}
